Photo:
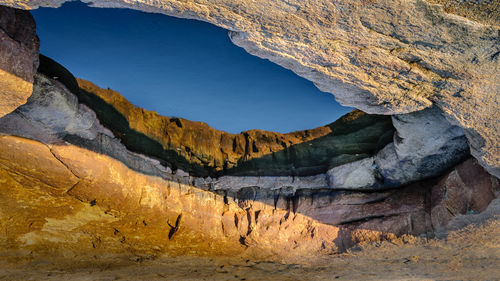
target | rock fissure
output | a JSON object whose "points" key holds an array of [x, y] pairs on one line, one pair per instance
{"points": [[64, 164]]}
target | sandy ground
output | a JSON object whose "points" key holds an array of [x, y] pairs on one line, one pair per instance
{"points": [[469, 254]]}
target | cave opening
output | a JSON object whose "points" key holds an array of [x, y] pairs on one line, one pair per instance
{"points": [[182, 68], [88, 178]]}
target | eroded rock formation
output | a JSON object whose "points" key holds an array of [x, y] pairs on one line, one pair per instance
{"points": [[115, 201], [386, 56], [85, 173], [201, 150]]}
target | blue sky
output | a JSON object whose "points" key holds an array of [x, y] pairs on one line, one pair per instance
{"points": [[181, 68]]}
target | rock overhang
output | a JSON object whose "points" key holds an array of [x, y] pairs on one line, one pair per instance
{"points": [[107, 188], [389, 57]]}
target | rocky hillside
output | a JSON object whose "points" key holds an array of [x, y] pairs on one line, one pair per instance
{"points": [[355, 136]]}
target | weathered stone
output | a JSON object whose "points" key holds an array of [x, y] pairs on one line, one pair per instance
{"points": [[468, 189], [114, 210], [425, 145], [387, 56], [83, 203], [356, 175], [18, 57], [35, 161]]}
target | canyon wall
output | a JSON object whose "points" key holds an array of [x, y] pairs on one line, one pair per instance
{"points": [[70, 187]]}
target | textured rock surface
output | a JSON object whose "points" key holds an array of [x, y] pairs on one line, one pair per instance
{"points": [[466, 255], [61, 199], [426, 145], [83, 202], [18, 57], [387, 56], [355, 175], [53, 114], [66, 200]]}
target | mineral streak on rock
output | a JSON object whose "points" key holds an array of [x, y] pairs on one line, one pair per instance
{"points": [[386, 56], [18, 57]]}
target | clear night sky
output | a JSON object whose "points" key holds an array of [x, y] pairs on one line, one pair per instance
{"points": [[181, 68]]}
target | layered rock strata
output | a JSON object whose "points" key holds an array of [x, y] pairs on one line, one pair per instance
{"points": [[388, 56], [425, 145], [61, 199], [421, 148]]}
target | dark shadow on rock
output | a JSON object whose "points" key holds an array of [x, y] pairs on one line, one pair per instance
{"points": [[348, 141], [117, 123], [360, 138]]}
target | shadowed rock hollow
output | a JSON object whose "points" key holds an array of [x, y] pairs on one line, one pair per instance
{"points": [[87, 177]]}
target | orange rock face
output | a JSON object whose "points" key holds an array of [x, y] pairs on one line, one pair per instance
{"points": [[66, 200]]}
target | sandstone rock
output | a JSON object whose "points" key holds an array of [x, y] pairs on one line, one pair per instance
{"points": [[36, 162], [114, 210], [467, 190], [126, 212], [425, 145], [236, 183], [52, 112], [53, 115], [18, 57], [430, 145], [78, 203]]}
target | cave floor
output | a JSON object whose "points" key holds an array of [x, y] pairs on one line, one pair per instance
{"points": [[469, 254]]}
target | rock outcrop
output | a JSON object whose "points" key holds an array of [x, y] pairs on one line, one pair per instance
{"points": [[18, 57], [201, 150], [387, 56], [61, 199], [422, 149]]}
